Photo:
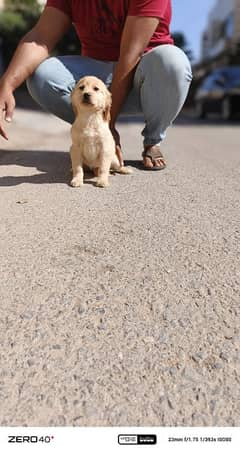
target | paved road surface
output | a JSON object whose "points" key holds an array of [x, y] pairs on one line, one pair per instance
{"points": [[120, 306]]}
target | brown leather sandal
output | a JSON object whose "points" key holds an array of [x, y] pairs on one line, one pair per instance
{"points": [[154, 153]]}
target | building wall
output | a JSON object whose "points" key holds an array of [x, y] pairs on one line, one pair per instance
{"points": [[237, 20], [223, 28]]}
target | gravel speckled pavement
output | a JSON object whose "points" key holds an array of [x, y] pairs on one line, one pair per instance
{"points": [[120, 306]]}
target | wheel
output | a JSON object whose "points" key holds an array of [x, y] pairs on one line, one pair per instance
{"points": [[200, 111], [226, 109]]}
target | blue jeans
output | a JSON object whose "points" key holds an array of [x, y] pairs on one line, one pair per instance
{"points": [[160, 86]]}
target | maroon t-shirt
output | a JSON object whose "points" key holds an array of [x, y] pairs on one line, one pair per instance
{"points": [[99, 23]]}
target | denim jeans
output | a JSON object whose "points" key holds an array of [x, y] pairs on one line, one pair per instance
{"points": [[160, 86]]}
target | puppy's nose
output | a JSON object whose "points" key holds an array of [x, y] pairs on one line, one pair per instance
{"points": [[86, 96]]}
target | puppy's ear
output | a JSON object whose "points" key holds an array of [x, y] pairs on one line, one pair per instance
{"points": [[74, 109], [107, 109], [73, 103]]}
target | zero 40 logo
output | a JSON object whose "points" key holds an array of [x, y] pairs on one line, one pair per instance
{"points": [[125, 440], [29, 439]]}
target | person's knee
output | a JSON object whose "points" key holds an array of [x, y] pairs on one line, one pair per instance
{"points": [[51, 87], [179, 65], [168, 62], [41, 77]]}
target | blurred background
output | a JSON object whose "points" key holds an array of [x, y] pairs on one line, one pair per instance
{"points": [[208, 31]]}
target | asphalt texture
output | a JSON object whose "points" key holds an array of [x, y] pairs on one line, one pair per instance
{"points": [[120, 306]]}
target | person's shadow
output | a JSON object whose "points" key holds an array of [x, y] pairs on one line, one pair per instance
{"points": [[53, 167]]}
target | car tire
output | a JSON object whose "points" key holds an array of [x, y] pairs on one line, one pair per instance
{"points": [[226, 109], [200, 111]]}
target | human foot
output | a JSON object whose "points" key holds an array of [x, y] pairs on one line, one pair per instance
{"points": [[153, 158]]}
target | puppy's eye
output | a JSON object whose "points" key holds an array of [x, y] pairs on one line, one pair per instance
{"points": [[96, 88], [81, 87]]}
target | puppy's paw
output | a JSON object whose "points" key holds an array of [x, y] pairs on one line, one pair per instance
{"points": [[116, 168], [125, 170], [103, 183], [76, 182]]}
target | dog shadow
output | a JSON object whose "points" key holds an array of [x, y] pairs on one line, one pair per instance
{"points": [[52, 167]]}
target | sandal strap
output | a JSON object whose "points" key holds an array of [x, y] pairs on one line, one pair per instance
{"points": [[153, 153]]}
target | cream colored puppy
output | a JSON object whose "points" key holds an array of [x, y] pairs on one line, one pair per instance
{"points": [[92, 141]]}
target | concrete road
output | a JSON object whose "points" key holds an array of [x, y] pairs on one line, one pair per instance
{"points": [[120, 306]]}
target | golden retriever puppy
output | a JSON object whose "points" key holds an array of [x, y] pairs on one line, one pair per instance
{"points": [[92, 141]]}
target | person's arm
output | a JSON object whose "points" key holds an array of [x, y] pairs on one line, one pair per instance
{"points": [[33, 48], [136, 35]]}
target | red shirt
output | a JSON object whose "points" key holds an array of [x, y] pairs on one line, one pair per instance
{"points": [[99, 23]]}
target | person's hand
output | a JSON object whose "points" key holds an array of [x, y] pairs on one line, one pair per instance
{"points": [[116, 137], [7, 105]]}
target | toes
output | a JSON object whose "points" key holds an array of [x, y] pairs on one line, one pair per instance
{"points": [[160, 163], [147, 162]]}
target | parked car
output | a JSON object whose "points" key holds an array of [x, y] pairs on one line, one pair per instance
{"points": [[219, 93]]}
